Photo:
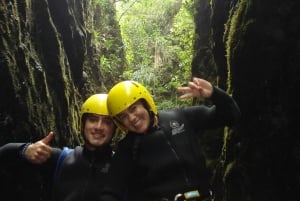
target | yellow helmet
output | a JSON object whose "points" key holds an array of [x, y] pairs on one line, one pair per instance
{"points": [[124, 94], [95, 104]]}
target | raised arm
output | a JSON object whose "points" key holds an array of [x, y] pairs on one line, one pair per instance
{"points": [[224, 111]]}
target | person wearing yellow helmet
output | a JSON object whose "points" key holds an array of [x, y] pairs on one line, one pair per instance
{"points": [[79, 173], [125, 94], [159, 158], [94, 111]]}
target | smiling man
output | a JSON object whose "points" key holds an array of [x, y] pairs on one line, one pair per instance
{"points": [[79, 174]]}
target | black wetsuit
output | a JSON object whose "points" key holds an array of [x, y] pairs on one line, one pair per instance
{"points": [[80, 176], [166, 160]]}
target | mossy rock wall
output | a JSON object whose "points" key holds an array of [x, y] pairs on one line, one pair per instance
{"points": [[255, 47]]}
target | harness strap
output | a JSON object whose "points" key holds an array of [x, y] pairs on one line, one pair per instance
{"points": [[61, 157]]}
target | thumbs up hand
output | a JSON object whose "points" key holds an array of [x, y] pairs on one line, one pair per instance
{"points": [[40, 151]]}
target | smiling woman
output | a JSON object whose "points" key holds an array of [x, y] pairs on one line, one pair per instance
{"points": [[160, 153], [136, 117]]}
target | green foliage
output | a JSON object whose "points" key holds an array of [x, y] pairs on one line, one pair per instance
{"points": [[158, 38], [103, 3], [106, 38]]}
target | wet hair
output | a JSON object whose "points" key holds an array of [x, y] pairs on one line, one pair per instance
{"points": [[150, 112], [82, 123]]}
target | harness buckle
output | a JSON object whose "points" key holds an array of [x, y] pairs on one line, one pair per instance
{"points": [[189, 195]]}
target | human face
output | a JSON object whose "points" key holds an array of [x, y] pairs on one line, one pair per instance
{"points": [[98, 131], [135, 118]]}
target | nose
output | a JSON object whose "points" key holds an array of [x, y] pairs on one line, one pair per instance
{"points": [[99, 123], [131, 116]]}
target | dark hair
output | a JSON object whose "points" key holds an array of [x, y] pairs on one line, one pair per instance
{"points": [[82, 122], [150, 112]]}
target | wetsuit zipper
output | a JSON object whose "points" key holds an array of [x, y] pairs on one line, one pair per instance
{"points": [[186, 178]]}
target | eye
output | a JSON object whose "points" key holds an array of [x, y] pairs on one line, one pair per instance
{"points": [[108, 121], [122, 116], [132, 108]]}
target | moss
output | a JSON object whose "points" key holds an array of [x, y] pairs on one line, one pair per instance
{"points": [[237, 27]]}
